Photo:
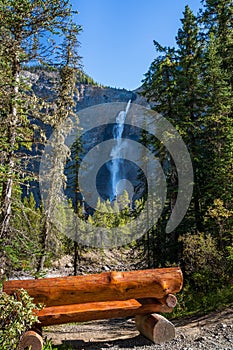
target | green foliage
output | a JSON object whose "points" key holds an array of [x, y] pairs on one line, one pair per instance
{"points": [[16, 316], [28, 34], [65, 107], [204, 264], [26, 225], [191, 302], [83, 78], [191, 86]]}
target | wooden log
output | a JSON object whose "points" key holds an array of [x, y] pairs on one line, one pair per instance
{"points": [[108, 286], [31, 338], [150, 304], [170, 300], [96, 311], [155, 327]]}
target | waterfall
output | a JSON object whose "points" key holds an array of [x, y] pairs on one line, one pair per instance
{"points": [[115, 168]]}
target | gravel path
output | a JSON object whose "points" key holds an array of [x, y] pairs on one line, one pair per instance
{"points": [[213, 331]]}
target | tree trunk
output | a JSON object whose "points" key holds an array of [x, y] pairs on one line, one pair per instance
{"points": [[76, 257], [6, 199], [7, 187], [44, 243]]}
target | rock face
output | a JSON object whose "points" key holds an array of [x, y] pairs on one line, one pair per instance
{"points": [[89, 95], [94, 95], [44, 86], [43, 83]]}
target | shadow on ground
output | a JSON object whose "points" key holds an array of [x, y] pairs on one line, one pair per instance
{"points": [[138, 341]]}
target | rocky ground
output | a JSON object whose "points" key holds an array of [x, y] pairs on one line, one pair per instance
{"points": [[92, 261], [213, 331]]}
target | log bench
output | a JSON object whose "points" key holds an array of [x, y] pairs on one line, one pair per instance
{"points": [[142, 294]]}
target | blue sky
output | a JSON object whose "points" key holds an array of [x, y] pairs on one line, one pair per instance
{"points": [[117, 38]]}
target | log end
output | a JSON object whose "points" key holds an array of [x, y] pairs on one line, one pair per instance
{"points": [[171, 300], [31, 340], [155, 327]]}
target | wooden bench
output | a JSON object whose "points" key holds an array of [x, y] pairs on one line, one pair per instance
{"points": [[142, 294]]}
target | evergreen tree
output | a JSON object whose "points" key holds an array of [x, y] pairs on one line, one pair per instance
{"points": [[78, 202], [24, 28], [217, 19], [193, 89], [174, 82], [217, 139], [189, 98], [68, 60], [25, 248]]}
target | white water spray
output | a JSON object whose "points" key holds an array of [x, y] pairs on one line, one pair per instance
{"points": [[116, 153]]}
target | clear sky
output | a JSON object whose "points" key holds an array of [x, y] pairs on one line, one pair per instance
{"points": [[117, 38]]}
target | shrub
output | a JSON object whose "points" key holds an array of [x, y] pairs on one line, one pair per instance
{"points": [[16, 316], [204, 264]]}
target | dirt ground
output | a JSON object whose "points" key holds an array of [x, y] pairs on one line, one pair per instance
{"points": [[212, 331]]}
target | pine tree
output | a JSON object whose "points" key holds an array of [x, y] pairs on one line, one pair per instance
{"points": [[197, 99], [78, 202], [25, 248], [217, 140], [24, 28], [217, 19], [68, 61], [158, 85], [174, 82], [189, 98]]}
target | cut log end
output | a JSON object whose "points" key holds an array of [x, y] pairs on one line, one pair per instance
{"points": [[171, 300], [31, 340], [155, 327]]}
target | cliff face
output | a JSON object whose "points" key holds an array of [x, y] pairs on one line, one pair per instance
{"points": [[44, 86], [89, 95], [93, 95], [43, 83]]}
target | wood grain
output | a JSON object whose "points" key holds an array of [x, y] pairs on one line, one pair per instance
{"points": [[108, 286], [55, 315], [31, 338]]}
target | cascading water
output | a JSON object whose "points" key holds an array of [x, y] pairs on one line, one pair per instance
{"points": [[115, 168]]}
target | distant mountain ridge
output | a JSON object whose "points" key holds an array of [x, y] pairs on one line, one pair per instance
{"points": [[89, 93]]}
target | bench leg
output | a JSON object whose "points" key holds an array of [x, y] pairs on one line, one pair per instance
{"points": [[31, 338], [155, 327]]}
